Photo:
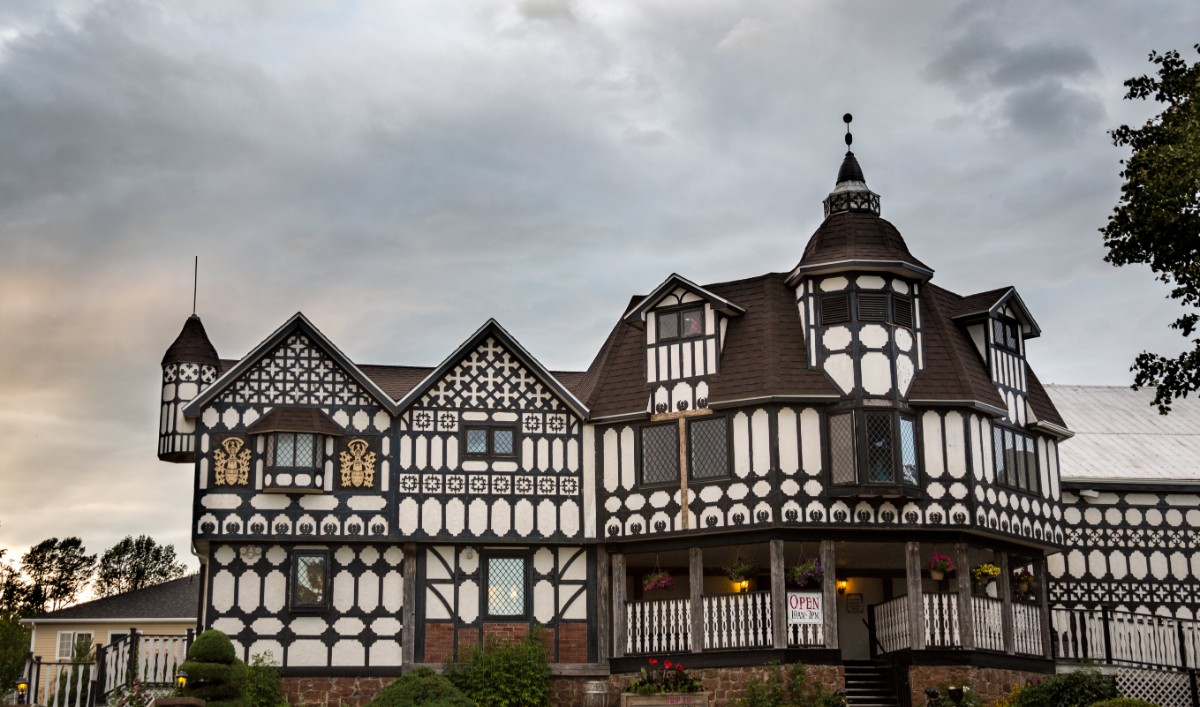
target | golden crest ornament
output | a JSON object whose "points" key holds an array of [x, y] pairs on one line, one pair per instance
{"points": [[358, 465], [231, 463]]}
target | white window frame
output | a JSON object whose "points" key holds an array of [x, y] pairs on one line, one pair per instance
{"points": [[74, 639]]}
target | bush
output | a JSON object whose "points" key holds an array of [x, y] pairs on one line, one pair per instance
{"points": [[1075, 689], [214, 673], [791, 689], [260, 687], [421, 687], [512, 674], [1124, 702]]}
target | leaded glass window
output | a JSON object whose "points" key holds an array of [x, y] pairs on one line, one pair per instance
{"points": [[1016, 459], [708, 448], [842, 448], [506, 579], [1004, 332], [310, 577], [490, 441], [293, 450], [668, 325], [908, 450], [681, 323], [880, 455], [660, 454]]}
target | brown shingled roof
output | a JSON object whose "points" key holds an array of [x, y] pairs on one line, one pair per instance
{"points": [[192, 345], [396, 381], [851, 236], [979, 303], [174, 599], [954, 371], [764, 354], [1040, 400], [296, 419]]}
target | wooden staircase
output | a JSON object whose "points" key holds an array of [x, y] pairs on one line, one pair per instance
{"points": [[868, 685]]}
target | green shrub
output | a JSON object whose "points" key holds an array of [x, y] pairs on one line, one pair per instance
{"points": [[260, 687], [793, 688], [214, 674], [1124, 702], [1075, 689], [212, 647], [421, 687], [499, 674]]}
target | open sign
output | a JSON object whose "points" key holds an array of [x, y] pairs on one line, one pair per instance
{"points": [[805, 607]]}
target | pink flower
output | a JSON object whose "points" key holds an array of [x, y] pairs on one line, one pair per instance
{"points": [[668, 665], [654, 661]]}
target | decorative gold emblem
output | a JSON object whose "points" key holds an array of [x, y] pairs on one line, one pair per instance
{"points": [[358, 465], [232, 463]]}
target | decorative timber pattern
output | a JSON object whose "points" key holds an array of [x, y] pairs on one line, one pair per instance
{"points": [[1129, 550], [525, 479], [297, 373], [453, 600], [248, 595], [683, 350]]}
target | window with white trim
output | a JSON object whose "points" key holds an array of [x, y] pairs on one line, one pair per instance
{"points": [[72, 644]]}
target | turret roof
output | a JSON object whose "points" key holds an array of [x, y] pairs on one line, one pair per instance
{"points": [[192, 346]]}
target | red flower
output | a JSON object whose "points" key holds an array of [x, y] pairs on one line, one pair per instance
{"points": [[654, 661], [679, 667], [668, 665]]}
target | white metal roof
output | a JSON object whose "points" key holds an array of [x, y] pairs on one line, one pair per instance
{"points": [[1119, 435]]}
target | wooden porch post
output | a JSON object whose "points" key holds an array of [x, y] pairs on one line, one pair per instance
{"points": [[696, 583], [916, 598], [829, 587], [603, 604], [779, 624], [408, 614], [1039, 566], [1006, 611], [966, 605], [619, 595]]}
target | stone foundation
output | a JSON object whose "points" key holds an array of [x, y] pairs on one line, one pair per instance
{"points": [[332, 692], [991, 684]]}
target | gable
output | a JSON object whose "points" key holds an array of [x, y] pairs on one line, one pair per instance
{"points": [[296, 365], [677, 290]]}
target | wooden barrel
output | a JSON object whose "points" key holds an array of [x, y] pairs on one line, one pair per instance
{"points": [[595, 693]]}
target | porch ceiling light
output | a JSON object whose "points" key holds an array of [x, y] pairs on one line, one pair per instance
{"points": [[842, 586]]}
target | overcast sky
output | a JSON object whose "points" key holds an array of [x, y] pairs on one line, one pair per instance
{"points": [[400, 172]]}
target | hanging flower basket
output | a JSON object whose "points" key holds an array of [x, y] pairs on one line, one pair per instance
{"points": [[940, 566], [806, 573], [740, 569], [984, 574], [659, 579]]}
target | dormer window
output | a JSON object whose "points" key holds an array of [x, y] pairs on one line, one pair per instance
{"points": [[681, 323], [1004, 333], [296, 440]]}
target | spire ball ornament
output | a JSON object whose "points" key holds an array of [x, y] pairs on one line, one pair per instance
{"points": [[849, 138]]}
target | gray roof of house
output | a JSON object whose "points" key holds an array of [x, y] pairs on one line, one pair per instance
{"points": [[1120, 436], [176, 599]]}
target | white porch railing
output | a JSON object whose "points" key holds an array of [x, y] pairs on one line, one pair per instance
{"points": [[157, 660], [737, 621], [1027, 629], [659, 626], [891, 625], [988, 627], [1125, 637], [941, 620]]}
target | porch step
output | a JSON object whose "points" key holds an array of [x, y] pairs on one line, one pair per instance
{"points": [[867, 686]]}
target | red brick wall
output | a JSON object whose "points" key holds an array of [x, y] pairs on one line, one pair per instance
{"points": [[439, 640], [989, 683], [725, 684]]}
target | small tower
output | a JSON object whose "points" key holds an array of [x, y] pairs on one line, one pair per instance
{"points": [[189, 366]]}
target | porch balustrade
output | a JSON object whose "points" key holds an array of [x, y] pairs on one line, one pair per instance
{"points": [[738, 621], [657, 626], [942, 628], [1125, 638]]}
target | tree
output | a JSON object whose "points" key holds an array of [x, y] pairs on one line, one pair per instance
{"points": [[57, 570], [136, 563], [1157, 220]]}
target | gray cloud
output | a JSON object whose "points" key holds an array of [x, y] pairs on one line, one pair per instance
{"points": [[402, 172]]}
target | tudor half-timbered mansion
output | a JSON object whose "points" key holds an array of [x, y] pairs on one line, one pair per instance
{"points": [[793, 450]]}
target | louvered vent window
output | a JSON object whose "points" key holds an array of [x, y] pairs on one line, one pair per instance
{"points": [[902, 313], [835, 309], [660, 454], [708, 448], [872, 308]]}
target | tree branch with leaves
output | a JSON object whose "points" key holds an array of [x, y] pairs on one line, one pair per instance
{"points": [[1157, 220], [136, 563]]}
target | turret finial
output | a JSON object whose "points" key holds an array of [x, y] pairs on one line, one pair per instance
{"points": [[850, 192], [849, 138]]}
